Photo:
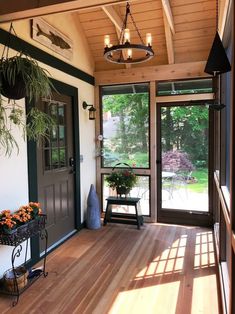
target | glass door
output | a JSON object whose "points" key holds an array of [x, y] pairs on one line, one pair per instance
{"points": [[183, 163]]}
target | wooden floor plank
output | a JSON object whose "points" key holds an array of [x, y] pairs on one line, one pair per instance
{"points": [[160, 269]]}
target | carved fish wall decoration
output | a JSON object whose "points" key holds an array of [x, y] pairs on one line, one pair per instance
{"points": [[55, 39]]}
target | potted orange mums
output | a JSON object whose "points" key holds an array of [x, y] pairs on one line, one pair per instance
{"points": [[9, 221]]}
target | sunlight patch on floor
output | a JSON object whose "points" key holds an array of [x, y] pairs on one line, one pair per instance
{"points": [[201, 293], [204, 250], [134, 301]]}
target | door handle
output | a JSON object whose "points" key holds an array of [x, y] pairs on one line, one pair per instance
{"points": [[71, 162], [72, 165]]}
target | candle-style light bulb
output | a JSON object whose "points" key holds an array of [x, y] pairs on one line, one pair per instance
{"points": [[148, 39], [129, 53], [106, 41], [127, 35], [111, 53]]}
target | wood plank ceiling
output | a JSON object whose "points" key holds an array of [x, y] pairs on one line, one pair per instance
{"points": [[182, 31]]}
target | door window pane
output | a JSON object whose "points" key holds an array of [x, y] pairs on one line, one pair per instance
{"points": [[55, 146], [140, 190], [125, 125], [184, 143], [184, 87]]}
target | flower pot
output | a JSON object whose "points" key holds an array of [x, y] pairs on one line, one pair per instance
{"points": [[16, 91], [121, 190], [19, 278]]}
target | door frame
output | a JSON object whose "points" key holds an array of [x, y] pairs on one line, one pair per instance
{"points": [[175, 216], [71, 91]]}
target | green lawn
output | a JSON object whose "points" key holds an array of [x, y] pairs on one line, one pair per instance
{"points": [[202, 181]]}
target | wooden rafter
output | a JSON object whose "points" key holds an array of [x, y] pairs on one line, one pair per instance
{"points": [[169, 40], [169, 30], [225, 6], [117, 21], [13, 10], [169, 16], [153, 73]]}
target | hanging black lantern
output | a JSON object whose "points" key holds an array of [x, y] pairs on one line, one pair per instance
{"points": [[217, 62]]}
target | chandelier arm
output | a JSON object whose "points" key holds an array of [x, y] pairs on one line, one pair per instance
{"points": [[116, 48]]}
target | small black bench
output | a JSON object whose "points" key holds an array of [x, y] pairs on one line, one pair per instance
{"points": [[133, 219]]}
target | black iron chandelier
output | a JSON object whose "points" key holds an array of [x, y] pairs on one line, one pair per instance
{"points": [[125, 52]]}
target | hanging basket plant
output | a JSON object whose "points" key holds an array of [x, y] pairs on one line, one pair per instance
{"points": [[20, 77]]}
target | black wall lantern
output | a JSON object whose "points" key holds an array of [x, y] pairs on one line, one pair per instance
{"points": [[91, 110]]}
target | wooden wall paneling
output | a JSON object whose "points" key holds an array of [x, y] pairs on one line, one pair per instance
{"points": [[149, 16], [102, 24], [201, 26], [194, 34], [141, 6], [196, 41], [193, 17], [190, 57], [86, 16], [192, 7]]}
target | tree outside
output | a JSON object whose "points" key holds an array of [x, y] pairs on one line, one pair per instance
{"points": [[126, 132]]}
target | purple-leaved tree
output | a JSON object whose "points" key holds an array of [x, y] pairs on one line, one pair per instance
{"points": [[176, 161]]}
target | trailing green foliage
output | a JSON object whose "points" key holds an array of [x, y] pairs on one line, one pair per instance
{"points": [[39, 124], [35, 78], [37, 85], [123, 178]]}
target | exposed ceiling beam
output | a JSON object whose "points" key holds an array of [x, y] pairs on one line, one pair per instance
{"points": [[117, 21], [169, 16], [152, 73], [169, 40], [113, 16], [13, 10], [169, 30], [224, 8]]}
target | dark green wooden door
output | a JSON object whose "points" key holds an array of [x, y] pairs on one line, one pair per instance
{"points": [[56, 170]]}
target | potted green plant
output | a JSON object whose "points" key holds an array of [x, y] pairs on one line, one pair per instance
{"points": [[123, 180], [21, 76]]}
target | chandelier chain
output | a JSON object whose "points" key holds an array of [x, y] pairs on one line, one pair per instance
{"points": [[217, 15], [121, 38], [136, 28]]}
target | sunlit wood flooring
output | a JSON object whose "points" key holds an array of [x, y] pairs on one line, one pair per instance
{"points": [[160, 269]]}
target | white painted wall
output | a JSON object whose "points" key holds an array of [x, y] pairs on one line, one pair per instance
{"points": [[13, 188], [13, 170]]}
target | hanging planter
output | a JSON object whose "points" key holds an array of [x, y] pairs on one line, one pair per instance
{"points": [[13, 91], [20, 77]]}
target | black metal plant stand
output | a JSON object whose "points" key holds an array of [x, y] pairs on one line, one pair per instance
{"points": [[19, 235]]}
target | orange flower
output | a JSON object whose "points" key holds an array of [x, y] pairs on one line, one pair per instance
{"points": [[24, 214]]}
